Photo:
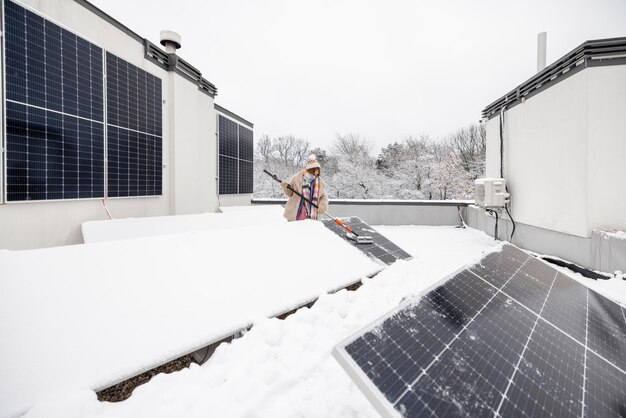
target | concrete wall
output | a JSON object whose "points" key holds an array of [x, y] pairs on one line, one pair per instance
{"points": [[235, 200], [562, 153], [603, 251], [392, 212], [189, 148]]}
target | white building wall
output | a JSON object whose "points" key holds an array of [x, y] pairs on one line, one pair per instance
{"points": [[44, 224], [195, 154], [565, 149], [607, 148], [235, 200]]}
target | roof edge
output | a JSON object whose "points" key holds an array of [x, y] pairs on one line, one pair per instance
{"points": [[183, 67], [232, 115], [593, 53]]}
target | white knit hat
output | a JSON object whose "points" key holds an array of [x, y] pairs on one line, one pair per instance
{"points": [[312, 162]]}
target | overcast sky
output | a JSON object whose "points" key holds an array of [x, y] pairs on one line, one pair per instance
{"points": [[383, 69]]}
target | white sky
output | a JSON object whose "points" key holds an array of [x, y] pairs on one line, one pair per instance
{"points": [[383, 69]]}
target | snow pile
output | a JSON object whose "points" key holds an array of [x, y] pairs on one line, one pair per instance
{"points": [[284, 368], [86, 316], [128, 228]]}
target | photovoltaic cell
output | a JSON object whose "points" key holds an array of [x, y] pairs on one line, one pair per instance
{"points": [[606, 330], [236, 155], [508, 336], [549, 381], [604, 389], [246, 147], [228, 138], [134, 137], [54, 110], [381, 249], [245, 176], [228, 175]]}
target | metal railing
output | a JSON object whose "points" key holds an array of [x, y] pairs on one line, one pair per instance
{"points": [[180, 66]]}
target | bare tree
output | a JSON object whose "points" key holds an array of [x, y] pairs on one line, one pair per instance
{"points": [[291, 151], [469, 146], [352, 146], [264, 149]]}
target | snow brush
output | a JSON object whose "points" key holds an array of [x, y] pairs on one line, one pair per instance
{"points": [[350, 234]]}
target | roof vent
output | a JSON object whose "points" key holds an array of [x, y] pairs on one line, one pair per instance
{"points": [[170, 40], [542, 40]]}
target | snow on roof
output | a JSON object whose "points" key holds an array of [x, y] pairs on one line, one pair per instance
{"points": [[280, 368], [88, 316], [129, 228], [284, 368]]}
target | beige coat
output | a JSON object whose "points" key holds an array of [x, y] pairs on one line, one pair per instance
{"points": [[291, 208]]}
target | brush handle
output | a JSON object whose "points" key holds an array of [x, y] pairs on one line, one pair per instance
{"points": [[275, 177]]}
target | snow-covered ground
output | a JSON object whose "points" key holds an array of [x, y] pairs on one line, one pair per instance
{"points": [[284, 368]]}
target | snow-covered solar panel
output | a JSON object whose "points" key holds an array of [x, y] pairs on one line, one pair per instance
{"points": [[89, 316], [131, 228], [382, 249], [508, 336]]}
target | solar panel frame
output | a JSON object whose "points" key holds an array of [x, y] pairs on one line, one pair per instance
{"points": [[552, 375], [358, 376], [31, 13]]}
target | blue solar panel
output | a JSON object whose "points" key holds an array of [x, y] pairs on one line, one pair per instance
{"points": [[54, 110], [235, 157], [508, 336], [134, 130]]}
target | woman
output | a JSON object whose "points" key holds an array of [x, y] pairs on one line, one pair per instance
{"points": [[308, 183]]}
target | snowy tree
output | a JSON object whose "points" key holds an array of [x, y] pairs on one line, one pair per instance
{"points": [[283, 156], [356, 176], [469, 145], [328, 162], [416, 167]]}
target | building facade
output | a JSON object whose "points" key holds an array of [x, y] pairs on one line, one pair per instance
{"points": [[559, 139], [99, 121]]}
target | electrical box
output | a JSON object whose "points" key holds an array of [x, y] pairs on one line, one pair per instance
{"points": [[490, 193]]}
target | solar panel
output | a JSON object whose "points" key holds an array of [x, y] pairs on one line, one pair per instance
{"points": [[134, 130], [381, 249], [235, 157], [228, 175], [508, 336], [54, 110], [246, 150]]}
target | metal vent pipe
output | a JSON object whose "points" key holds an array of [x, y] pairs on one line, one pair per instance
{"points": [[542, 38]]}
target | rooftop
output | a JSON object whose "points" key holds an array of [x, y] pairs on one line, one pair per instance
{"points": [[278, 368]]}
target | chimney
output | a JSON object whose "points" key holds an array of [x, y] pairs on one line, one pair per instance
{"points": [[541, 50]]}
